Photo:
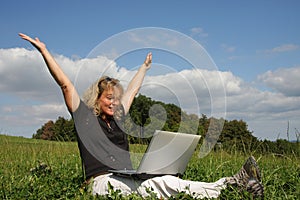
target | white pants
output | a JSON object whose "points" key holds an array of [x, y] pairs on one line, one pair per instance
{"points": [[164, 186]]}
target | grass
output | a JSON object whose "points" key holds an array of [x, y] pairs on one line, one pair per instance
{"points": [[36, 169]]}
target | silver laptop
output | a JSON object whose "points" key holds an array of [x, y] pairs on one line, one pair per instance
{"points": [[167, 154]]}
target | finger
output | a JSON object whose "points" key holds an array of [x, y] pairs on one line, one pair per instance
{"points": [[22, 35], [25, 37]]}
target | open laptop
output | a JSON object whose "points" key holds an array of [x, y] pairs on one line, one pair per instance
{"points": [[167, 154]]}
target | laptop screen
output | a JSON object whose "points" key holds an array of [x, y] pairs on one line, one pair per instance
{"points": [[168, 153]]}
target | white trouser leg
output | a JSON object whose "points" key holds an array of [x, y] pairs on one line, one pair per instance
{"points": [[166, 186], [125, 185]]}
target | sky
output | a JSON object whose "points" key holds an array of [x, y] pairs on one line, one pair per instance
{"points": [[230, 59]]}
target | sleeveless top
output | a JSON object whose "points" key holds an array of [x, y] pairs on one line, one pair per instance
{"points": [[101, 147]]}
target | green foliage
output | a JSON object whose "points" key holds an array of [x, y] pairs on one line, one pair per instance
{"points": [[37, 169], [280, 147], [60, 130]]}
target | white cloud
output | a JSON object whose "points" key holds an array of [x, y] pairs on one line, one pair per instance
{"points": [[197, 31], [30, 97], [228, 48], [23, 74], [25, 119], [283, 48], [285, 80]]}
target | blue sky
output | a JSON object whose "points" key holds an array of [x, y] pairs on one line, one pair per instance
{"points": [[233, 32], [254, 44]]}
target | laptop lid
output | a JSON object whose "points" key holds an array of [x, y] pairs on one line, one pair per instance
{"points": [[168, 153]]}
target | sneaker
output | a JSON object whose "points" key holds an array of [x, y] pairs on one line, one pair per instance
{"points": [[248, 178], [252, 169], [255, 188]]}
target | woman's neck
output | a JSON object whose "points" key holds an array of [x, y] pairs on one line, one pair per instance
{"points": [[106, 119]]}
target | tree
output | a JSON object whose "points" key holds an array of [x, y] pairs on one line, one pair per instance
{"points": [[236, 135], [64, 129], [60, 130], [146, 115], [46, 132]]}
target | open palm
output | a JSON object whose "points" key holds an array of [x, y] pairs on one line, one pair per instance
{"points": [[35, 42]]}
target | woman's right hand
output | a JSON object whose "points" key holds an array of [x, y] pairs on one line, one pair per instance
{"points": [[40, 46], [71, 96]]}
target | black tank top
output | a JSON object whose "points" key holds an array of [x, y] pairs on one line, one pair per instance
{"points": [[95, 155]]}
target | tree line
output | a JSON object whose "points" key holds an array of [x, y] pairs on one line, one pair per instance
{"points": [[146, 115]]}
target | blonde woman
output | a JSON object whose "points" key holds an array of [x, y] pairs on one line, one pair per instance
{"points": [[103, 144]]}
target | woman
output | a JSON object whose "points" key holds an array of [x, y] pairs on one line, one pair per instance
{"points": [[98, 120]]}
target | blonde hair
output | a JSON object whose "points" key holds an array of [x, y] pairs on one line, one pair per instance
{"points": [[93, 93]]}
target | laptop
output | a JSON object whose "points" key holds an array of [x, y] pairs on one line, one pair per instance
{"points": [[167, 154]]}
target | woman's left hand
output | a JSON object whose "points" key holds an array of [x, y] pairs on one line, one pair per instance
{"points": [[148, 60]]}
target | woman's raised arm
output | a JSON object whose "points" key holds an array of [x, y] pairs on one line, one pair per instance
{"points": [[136, 83], [71, 96]]}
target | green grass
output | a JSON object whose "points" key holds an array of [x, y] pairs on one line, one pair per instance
{"points": [[36, 169]]}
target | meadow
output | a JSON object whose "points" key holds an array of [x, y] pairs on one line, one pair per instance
{"points": [[38, 169]]}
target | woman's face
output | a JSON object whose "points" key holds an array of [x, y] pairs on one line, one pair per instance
{"points": [[109, 101]]}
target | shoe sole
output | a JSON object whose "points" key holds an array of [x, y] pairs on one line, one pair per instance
{"points": [[252, 169]]}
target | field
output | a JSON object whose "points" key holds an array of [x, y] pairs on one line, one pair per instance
{"points": [[35, 169]]}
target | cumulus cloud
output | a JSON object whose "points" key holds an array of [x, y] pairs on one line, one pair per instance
{"points": [[31, 114], [285, 80], [23, 73], [17, 67], [30, 97]]}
